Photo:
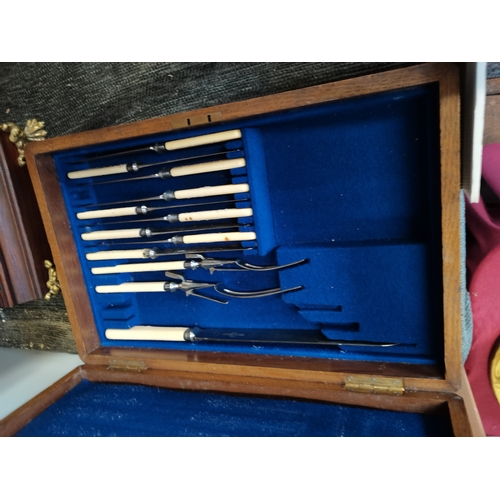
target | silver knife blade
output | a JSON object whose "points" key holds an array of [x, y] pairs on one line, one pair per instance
{"points": [[256, 336]]}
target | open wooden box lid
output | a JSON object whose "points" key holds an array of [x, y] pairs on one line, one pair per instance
{"points": [[433, 105], [95, 401]]}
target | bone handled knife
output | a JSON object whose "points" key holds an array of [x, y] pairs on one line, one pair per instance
{"points": [[207, 191], [248, 336]]}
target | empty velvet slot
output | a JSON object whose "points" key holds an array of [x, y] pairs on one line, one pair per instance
{"points": [[389, 290], [257, 175], [119, 311], [367, 170], [82, 197]]}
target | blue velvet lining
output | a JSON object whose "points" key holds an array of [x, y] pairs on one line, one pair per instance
{"points": [[96, 409], [353, 186]]}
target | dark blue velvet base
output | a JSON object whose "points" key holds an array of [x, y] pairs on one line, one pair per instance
{"points": [[95, 409], [352, 185]]}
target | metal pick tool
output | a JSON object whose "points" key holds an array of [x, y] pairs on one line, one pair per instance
{"points": [[189, 287], [169, 217], [154, 253], [193, 262], [182, 194], [253, 295], [149, 232], [189, 142], [124, 168], [167, 173]]}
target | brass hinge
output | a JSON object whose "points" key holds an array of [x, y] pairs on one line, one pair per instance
{"points": [[375, 385], [127, 365]]}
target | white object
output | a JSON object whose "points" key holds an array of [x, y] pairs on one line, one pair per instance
{"points": [[97, 172], [117, 254], [201, 140], [109, 212], [177, 265], [218, 237], [211, 166], [25, 373], [474, 106], [171, 333], [228, 213], [115, 233], [134, 286], [183, 194]]}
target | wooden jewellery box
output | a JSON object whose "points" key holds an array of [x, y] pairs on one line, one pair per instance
{"points": [[356, 183]]}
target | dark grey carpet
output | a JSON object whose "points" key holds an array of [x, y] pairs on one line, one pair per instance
{"points": [[72, 97]]}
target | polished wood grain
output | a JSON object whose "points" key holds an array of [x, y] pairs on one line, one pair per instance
{"points": [[249, 384], [492, 120], [492, 86], [6, 291], [416, 377], [23, 243], [21, 417], [278, 370], [492, 112], [57, 226], [450, 223], [473, 417]]}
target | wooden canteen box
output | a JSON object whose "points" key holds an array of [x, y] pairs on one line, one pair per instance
{"points": [[358, 181]]}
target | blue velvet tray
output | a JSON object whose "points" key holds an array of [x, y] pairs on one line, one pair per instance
{"points": [[353, 186], [98, 409]]}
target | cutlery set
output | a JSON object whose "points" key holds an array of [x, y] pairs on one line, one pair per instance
{"points": [[195, 230]]}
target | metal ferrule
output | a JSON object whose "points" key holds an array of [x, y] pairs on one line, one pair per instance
{"points": [[168, 196], [189, 335], [177, 240], [133, 167], [172, 218], [171, 286], [149, 253], [159, 148], [164, 173], [192, 264], [146, 233], [143, 209]]}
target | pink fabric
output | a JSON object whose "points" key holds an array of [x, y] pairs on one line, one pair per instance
{"points": [[483, 264]]}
